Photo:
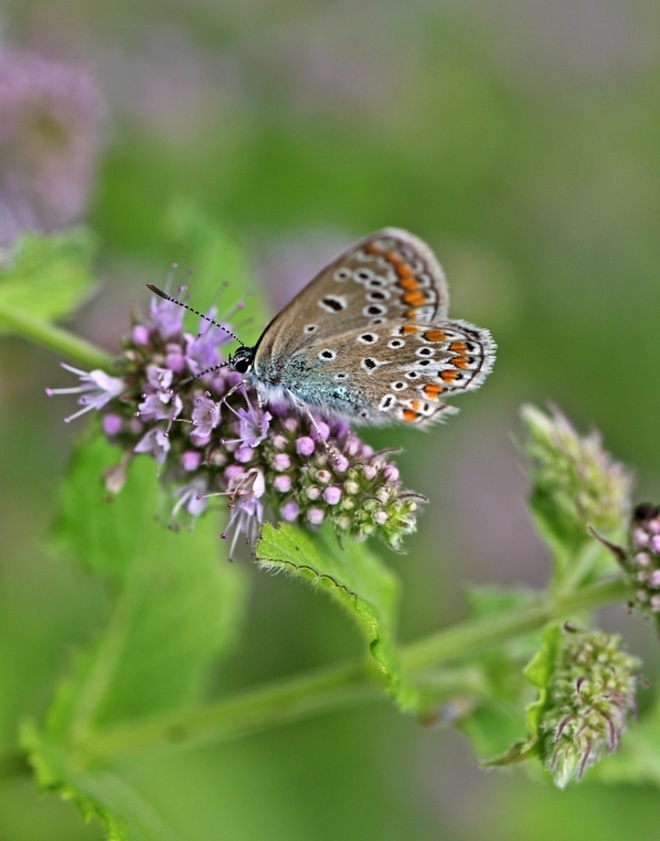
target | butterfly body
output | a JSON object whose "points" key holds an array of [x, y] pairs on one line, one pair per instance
{"points": [[369, 339]]}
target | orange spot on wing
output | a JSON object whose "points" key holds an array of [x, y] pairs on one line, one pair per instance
{"points": [[432, 390], [404, 270], [408, 282], [414, 298], [448, 376], [407, 329], [458, 347], [459, 362], [372, 248], [434, 336], [393, 257], [416, 405], [409, 415]]}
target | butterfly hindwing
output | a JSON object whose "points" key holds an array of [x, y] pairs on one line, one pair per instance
{"points": [[396, 371]]}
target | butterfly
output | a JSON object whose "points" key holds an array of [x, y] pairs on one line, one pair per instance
{"points": [[369, 340]]}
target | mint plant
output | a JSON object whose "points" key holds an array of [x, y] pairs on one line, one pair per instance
{"points": [[165, 438]]}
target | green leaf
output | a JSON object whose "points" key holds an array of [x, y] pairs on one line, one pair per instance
{"points": [[177, 604], [357, 580], [497, 719], [495, 728], [47, 276], [204, 245], [125, 813], [538, 672], [175, 607]]}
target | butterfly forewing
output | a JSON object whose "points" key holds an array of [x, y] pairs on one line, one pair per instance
{"points": [[388, 275]]}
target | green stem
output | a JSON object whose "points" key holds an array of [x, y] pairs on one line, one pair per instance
{"points": [[285, 700], [55, 338], [475, 634], [580, 568], [295, 698]]}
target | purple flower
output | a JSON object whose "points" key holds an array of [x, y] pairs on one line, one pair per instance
{"points": [[112, 424], [305, 445], [140, 335], [205, 418], [176, 361], [244, 454], [253, 425], [156, 442], [245, 492], [282, 461], [642, 561], [159, 402], [191, 460], [161, 405], [202, 350], [283, 483], [247, 483], [96, 387], [315, 516], [332, 495], [290, 511], [160, 379], [191, 498], [166, 318]]}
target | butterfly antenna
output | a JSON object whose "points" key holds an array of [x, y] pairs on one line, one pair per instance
{"points": [[205, 371], [167, 297]]}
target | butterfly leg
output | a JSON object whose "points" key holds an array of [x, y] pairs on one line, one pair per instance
{"points": [[331, 451]]}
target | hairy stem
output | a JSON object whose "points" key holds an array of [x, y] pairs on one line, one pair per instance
{"points": [[330, 688]]}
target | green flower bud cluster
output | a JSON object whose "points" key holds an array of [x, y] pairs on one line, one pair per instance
{"points": [[590, 696], [576, 483]]}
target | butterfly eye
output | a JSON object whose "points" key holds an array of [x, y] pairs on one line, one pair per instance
{"points": [[242, 360]]}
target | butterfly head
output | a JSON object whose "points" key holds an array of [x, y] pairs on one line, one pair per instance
{"points": [[242, 360]]}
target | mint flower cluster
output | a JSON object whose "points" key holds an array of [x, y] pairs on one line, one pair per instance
{"points": [[576, 483], [640, 559], [642, 563], [591, 694], [211, 437]]}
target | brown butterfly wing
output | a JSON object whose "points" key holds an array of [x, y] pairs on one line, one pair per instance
{"points": [[392, 372], [369, 339], [388, 275]]}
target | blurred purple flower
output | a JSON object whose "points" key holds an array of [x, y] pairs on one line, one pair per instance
{"points": [[156, 442], [201, 350], [50, 121]]}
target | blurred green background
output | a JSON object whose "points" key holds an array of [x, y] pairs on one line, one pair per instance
{"points": [[520, 139]]}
